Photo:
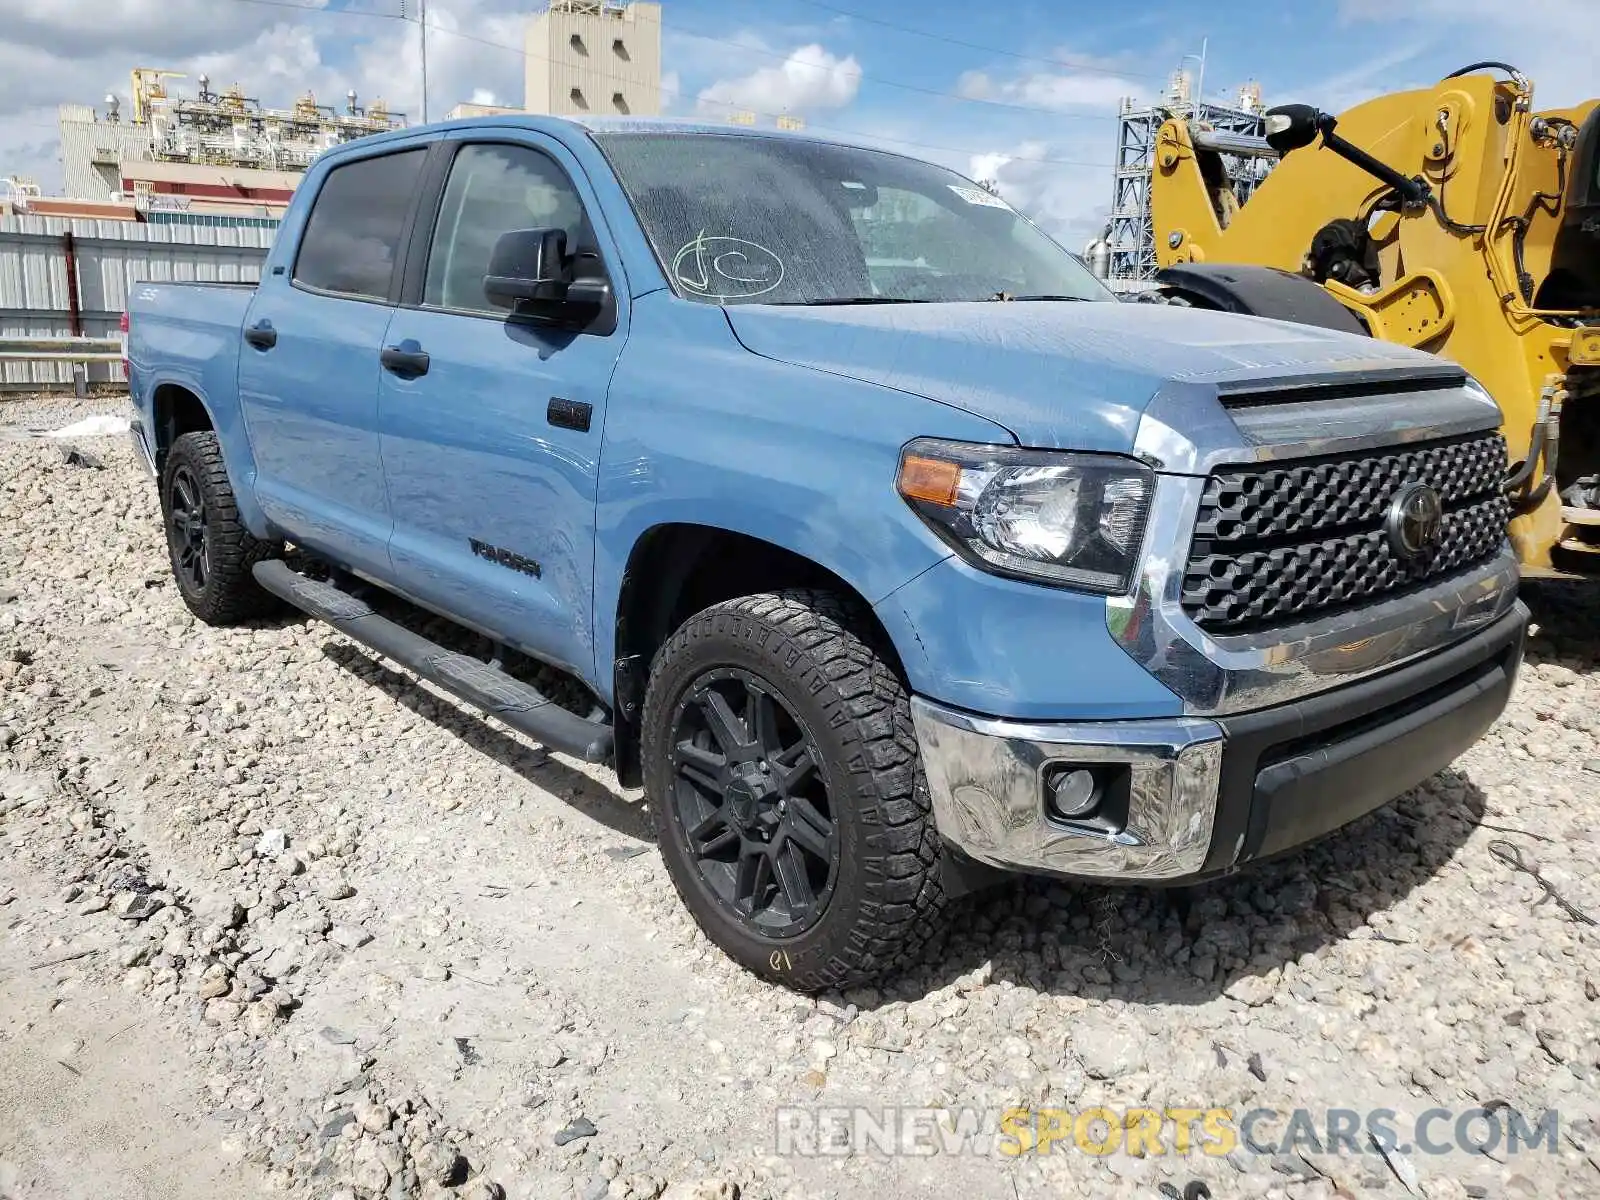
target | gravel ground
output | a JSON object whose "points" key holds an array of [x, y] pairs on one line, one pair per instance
{"points": [[277, 918]]}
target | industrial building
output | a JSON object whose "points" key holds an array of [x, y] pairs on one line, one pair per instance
{"points": [[223, 156], [596, 58], [213, 155]]}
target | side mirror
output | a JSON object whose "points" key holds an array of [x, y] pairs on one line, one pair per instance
{"points": [[528, 265], [530, 274], [1291, 126]]}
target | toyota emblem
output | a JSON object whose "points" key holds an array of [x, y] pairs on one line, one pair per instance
{"points": [[1415, 521]]}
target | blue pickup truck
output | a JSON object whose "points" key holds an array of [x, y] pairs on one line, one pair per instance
{"points": [[886, 548]]}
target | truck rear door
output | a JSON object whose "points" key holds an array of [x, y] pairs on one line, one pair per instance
{"points": [[308, 371], [491, 424]]}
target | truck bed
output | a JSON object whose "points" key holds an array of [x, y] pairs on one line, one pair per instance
{"points": [[193, 330]]}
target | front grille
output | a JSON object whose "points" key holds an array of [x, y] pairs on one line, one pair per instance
{"points": [[1275, 543]]}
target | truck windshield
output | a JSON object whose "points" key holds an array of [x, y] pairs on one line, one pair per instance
{"points": [[745, 219]]}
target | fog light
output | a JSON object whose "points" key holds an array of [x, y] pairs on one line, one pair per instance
{"points": [[1073, 792]]}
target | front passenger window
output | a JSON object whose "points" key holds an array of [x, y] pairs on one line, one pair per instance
{"points": [[494, 189]]}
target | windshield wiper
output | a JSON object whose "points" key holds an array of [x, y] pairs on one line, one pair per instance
{"points": [[839, 300], [1006, 297]]}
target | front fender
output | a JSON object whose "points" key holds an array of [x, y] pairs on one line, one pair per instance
{"points": [[1022, 651], [700, 431]]}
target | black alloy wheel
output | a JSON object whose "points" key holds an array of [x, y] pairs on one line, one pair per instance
{"points": [[752, 803], [211, 552], [780, 766], [186, 508]]}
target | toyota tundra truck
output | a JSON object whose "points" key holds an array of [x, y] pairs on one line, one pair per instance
{"points": [[858, 523]]}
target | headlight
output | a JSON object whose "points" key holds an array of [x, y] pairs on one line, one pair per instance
{"points": [[1073, 520]]}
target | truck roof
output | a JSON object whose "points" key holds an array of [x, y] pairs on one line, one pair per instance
{"points": [[546, 123]]}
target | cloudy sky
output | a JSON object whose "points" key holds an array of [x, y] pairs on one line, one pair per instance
{"points": [[1022, 91]]}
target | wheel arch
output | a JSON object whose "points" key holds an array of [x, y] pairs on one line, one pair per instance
{"points": [[675, 570], [175, 410]]}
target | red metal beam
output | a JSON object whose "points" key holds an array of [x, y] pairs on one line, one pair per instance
{"points": [[74, 309]]}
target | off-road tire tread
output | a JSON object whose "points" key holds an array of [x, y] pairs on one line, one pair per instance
{"points": [[232, 595], [838, 639]]}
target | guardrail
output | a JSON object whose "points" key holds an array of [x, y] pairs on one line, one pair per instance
{"points": [[78, 351], [60, 349]]}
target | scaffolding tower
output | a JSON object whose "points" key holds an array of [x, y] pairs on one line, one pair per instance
{"points": [[1130, 233]]}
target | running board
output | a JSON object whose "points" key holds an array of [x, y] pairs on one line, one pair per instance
{"points": [[481, 684]]}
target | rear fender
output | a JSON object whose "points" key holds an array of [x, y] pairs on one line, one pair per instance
{"points": [[226, 420]]}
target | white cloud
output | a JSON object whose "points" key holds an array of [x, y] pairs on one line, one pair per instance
{"points": [[809, 78], [483, 96], [48, 58], [1045, 165], [1371, 77], [975, 85], [78, 29], [1557, 42], [1069, 203], [1067, 90], [671, 90], [1099, 84], [988, 166], [29, 147]]}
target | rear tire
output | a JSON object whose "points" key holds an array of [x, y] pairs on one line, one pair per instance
{"points": [[781, 767], [210, 550]]}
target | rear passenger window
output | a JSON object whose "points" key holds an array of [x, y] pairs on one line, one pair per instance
{"points": [[493, 190], [352, 239]]}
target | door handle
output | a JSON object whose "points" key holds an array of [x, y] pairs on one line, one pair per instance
{"points": [[406, 363], [262, 335]]}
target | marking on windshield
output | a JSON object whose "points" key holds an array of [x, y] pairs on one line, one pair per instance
{"points": [[974, 195], [727, 268]]}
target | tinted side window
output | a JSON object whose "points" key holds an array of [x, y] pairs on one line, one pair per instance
{"points": [[494, 189], [352, 239]]}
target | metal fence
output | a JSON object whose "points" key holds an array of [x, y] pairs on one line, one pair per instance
{"points": [[64, 278]]}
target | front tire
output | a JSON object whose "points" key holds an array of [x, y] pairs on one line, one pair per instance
{"points": [[781, 768], [210, 550]]}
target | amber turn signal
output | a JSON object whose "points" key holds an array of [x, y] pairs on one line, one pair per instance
{"points": [[931, 480]]}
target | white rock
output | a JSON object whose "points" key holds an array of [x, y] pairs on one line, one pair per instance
{"points": [[260, 1018], [214, 981], [350, 937], [704, 1189], [222, 1012], [1254, 990], [1108, 1046], [332, 887], [373, 1117], [137, 980]]}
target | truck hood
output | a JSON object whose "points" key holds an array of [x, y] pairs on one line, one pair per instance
{"points": [[1057, 375]]}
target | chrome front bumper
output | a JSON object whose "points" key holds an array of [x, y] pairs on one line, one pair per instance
{"points": [[986, 780], [1201, 796]]}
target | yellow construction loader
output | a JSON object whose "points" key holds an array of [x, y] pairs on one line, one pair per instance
{"points": [[1454, 218]]}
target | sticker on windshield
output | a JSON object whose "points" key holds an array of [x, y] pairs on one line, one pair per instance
{"points": [[727, 268], [973, 195]]}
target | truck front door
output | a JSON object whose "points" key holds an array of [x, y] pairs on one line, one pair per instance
{"points": [[308, 371], [491, 423]]}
